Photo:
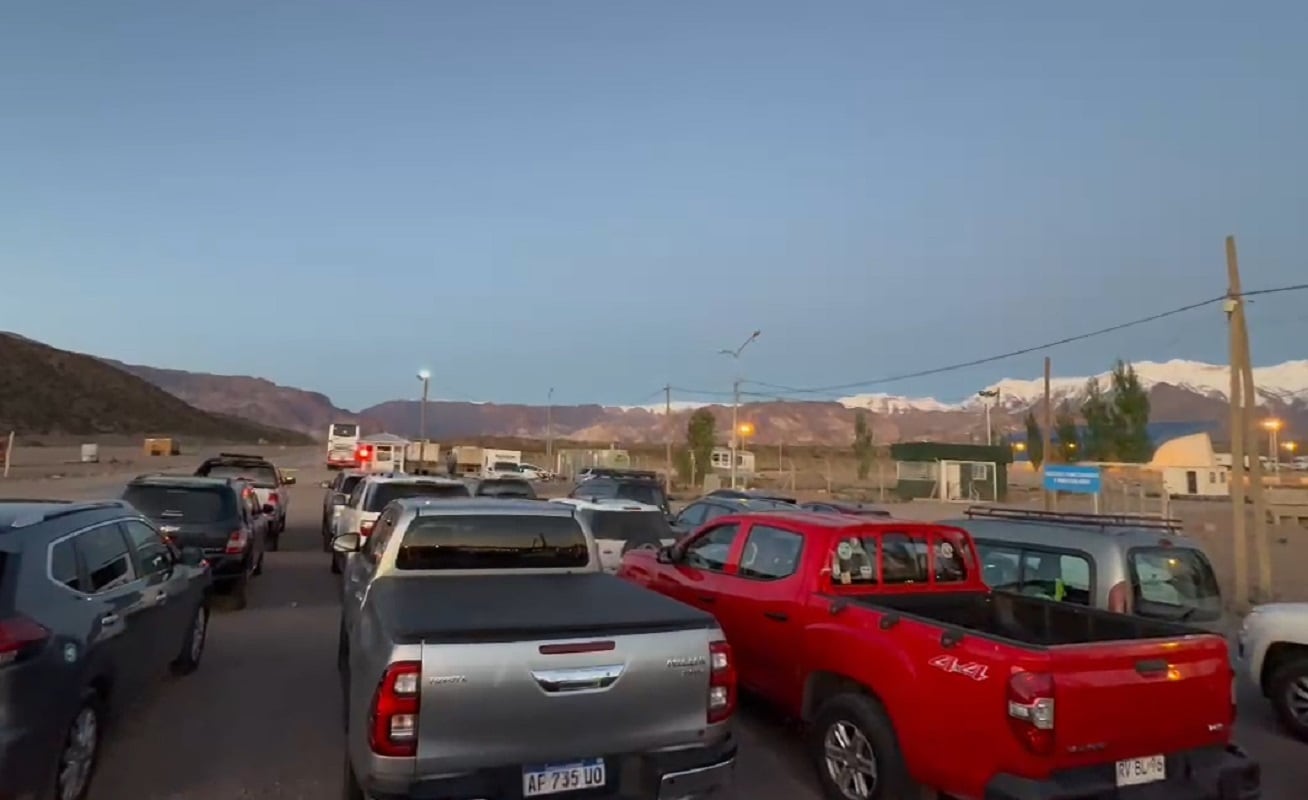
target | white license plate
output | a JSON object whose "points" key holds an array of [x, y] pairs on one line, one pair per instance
{"points": [[1134, 771], [555, 778]]}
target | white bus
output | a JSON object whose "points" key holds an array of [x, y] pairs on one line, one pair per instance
{"points": [[342, 441]]}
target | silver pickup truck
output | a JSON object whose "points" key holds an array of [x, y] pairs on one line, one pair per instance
{"points": [[484, 654]]}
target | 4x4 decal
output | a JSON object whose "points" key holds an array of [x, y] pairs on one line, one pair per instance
{"points": [[973, 670]]}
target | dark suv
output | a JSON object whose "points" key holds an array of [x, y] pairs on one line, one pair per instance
{"points": [[629, 486], [220, 516], [266, 479], [94, 604]]}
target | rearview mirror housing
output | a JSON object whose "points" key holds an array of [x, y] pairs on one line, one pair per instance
{"points": [[347, 543]]}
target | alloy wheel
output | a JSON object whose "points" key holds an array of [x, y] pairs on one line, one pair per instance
{"points": [[78, 757], [850, 761]]}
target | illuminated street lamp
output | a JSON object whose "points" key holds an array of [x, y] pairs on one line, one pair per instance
{"points": [[1020, 447], [1273, 427]]}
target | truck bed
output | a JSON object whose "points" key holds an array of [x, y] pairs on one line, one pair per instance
{"points": [[460, 609], [1029, 621]]}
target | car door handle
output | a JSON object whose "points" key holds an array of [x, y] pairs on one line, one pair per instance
{"points": [[109, 619], [707, 598], [776, 616]]}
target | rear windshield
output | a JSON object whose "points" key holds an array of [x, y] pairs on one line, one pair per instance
{"points": [[599, 488], [1175, 583], [384, 493], [638, 527], [263, 476], [506, 489], [182, 503], [507, 466], [492, 541], [345, 429]]}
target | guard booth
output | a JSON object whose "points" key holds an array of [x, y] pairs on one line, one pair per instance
{"points": [[383, 452], [962, 473]]}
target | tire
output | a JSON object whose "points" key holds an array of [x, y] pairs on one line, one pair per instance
{"points": [[82, 743], [192, 650], [861, 721], [1289, 679]]}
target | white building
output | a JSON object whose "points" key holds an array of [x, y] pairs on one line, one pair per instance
{"points": [[1190, 468], [721, 461]]}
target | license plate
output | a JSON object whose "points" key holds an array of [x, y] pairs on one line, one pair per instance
{"points": [[556, 778], [1134, 771]]}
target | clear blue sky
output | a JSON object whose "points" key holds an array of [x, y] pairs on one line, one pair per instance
{"points": [[598, 196]]}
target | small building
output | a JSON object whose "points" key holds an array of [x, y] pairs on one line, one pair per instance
{"points": [[387, 452], [720, 460], [574, 460], [1189, 467], [952, 472]]}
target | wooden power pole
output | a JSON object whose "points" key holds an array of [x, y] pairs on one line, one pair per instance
{"points": [[1046, 438], [1244, 439]]}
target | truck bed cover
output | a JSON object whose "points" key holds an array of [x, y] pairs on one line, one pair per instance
{"points": [[466, 608]]}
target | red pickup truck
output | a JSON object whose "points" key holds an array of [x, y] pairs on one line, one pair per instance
{"points": [[911, 673]]}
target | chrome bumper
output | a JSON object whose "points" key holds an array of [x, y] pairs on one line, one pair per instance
{"points": [[696, 783]]}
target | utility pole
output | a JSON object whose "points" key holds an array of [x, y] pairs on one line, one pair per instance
{"points": [[735, 404], [1242, 370], [549, 430], [425, 377], [989, 397], [1046, 438], [668, 429]]}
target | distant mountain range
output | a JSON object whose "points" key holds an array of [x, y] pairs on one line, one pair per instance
{"points": [[1184, 395]]}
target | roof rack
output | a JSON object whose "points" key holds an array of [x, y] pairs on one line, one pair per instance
{"points": [[1077, 518], [68, 509]]}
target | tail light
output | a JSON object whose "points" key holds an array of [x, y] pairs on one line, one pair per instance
{"points": [[1118, 598], [364, 453], [393, 723], [20, 636], [365, 528], [273, 499], [237, 542], [1031, 710], [722, 683]]}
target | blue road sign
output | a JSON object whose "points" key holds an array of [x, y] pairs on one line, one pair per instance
{"points": [[1076, 480]]}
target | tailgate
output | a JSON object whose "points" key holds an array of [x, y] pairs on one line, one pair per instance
{"points": [[501, 703], [1130, 699]]}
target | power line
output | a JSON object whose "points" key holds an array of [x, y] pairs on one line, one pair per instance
{"points": [[821, 390]]}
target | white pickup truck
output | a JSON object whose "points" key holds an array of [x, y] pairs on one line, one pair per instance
{"points": [[1273, 650], [484, 654]]}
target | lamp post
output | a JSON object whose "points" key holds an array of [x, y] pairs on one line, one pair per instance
{"points": [[1273, 426], [424, 376], [735, 402], [991, 395]]}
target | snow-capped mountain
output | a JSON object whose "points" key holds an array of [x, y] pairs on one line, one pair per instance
{"points": [[1285, 383]]}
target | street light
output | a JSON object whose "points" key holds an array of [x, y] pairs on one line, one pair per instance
{"points": [[424, 375], [988, 394], [549, 430], [735, 404], [1273, 427]]}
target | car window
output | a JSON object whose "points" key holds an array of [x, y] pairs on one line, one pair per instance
{"points": [[710, 551], [262, 475], [692, 516], [381, 535], [595, 488], [108, 563], [383, 493], [712, 511], [854, 561], [1174, 583], [903, 558], [182, 503], [492, 541], [646, 493], [152, 553], [63, 565], [356, 494], [770, 553], [640, 527], [506, 488], [1036, 572]]}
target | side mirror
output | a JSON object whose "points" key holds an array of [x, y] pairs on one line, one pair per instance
{"points": [[325, 485], [288, 480], [347, 543], [666, 555], [340, 499], [268, 509], [191, 556]]}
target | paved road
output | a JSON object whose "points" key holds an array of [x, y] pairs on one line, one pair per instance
{"points": [[260, 719]]}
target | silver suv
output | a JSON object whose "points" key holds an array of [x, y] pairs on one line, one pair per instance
{"points": [[1129, 563]]}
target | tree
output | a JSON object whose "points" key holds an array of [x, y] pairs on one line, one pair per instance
{"points": [[863, 449], [1035, 440], [1130, 416], [1065, 430], [700, 431], [1100, 440]]}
